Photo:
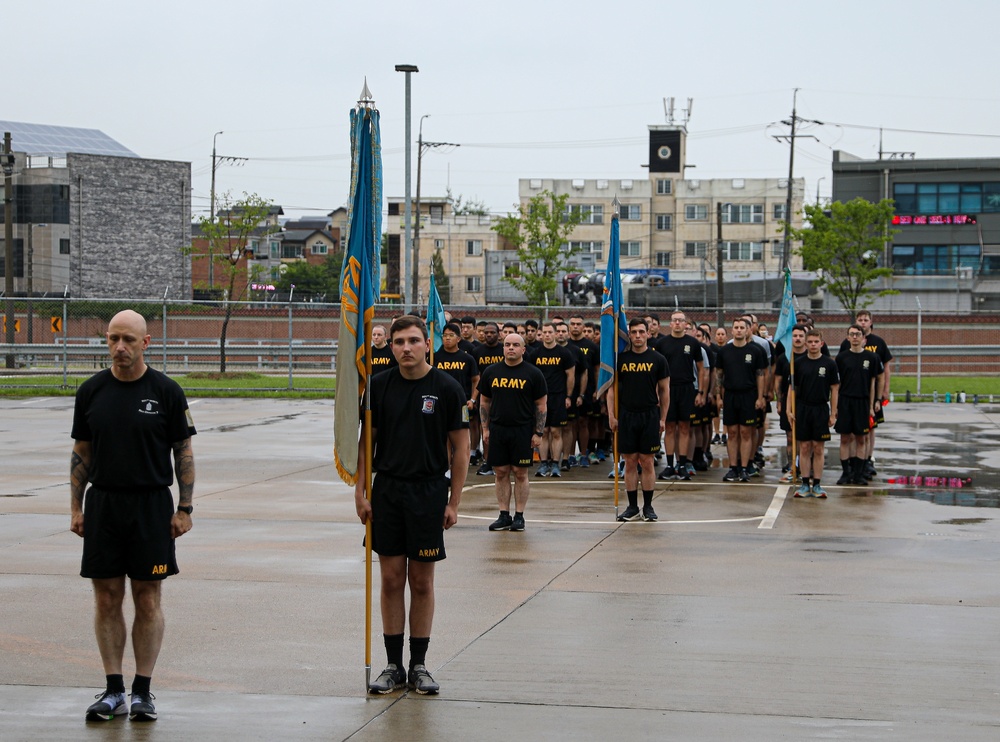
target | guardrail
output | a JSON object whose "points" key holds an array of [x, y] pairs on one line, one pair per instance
{"points": [[178, 357]]}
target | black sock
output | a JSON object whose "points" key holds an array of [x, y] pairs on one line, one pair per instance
{"points": [[647, 498], [815, 481], [116, 683], [418, 651], [633, 498], [806, 482], [670, 459], [682, 461], [140, 684], [518, 513], [393, 648]]}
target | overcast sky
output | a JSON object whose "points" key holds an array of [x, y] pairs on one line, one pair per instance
{"points": [[527, 88]]}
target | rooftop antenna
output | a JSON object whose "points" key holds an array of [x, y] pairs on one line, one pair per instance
{"points": [[668, 110], [687, 112]]}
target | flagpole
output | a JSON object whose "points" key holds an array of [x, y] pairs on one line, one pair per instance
{"points": [[432, 343], [790, 404], [614, 434], [367, 431]]}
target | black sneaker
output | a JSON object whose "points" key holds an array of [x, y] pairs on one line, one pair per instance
{"points": [[668, 472], [725, 438], [716, 440], [564, 465], [752, 471], [683, 474], [732, 475], [422, 682], [745, 475], [392, 677], [630, 513], [485, 470], [648, 514], [502, 523], [700, 465], [142, 708], [517, 523], [109, 705], [869, 470]]}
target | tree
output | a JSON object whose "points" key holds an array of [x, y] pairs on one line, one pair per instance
{"points": [[441, 280], [321, 281], [473, 207], [539, 231], [228, 246], [843, 246]]}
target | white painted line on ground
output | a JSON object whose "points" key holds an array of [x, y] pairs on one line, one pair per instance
{"points": [[612, 521], [780, 492]]}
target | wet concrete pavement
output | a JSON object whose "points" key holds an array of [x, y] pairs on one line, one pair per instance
{"points": [[741, 614]]}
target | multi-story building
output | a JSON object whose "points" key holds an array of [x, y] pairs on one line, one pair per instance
{"points": [[946, 255], [94, 219]]}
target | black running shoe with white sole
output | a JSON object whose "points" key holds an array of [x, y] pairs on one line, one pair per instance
{"points": [[392, 677], [422, 682], [109, 705], [648, 514], [503, 523], [142, 708], [630, 513]]}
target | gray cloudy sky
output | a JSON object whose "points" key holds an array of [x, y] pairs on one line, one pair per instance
{"points": [[528, 88]]}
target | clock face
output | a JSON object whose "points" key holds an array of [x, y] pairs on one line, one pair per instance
{"points": [[664, 152]]}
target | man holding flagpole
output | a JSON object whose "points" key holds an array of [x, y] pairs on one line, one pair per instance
{"points": [[410, 507]]}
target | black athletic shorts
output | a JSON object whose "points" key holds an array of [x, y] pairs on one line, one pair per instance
{"points": [[812, 422], [639, 432], [128, 533], [510, 446], [783, 419], [879, 416], [852, 416], [738, 408], [555, 415], [681, 407], [408, 517]]}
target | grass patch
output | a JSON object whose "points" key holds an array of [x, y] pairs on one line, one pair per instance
{"points": [[199, 384], [981, 385]]}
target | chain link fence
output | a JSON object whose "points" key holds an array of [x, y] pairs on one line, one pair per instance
{"points": [[63, 337]]}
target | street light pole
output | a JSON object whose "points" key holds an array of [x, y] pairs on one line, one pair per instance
{"points": [[8, 244], [407, 205], [415, 280], [720, 290]]}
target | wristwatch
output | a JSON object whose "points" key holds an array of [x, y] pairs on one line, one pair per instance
{"points": [[185, 509]]}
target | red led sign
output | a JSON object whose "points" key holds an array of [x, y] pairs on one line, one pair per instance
{"points": [[935, 219]]}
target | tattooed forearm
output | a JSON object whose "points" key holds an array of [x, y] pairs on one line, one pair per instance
{"points": [[79, 474], [540, 414], [184, 469], [484, 412]]}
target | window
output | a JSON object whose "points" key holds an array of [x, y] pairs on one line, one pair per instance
{"points": [[696, 212], [473, 283], [437, 214], [695, 249], [779, 212], [631, 213], [291, 251], [742, 213], [631, 248], [664, 222], [589, 213], [596, 247], [663, 260], [778, 248], [64, 247], [393, 209], [742, 250], [275, 249], [512, 268], [474, 248], [438, 244], [319, 248], [664, 186], [946, 198], [929, 260]]}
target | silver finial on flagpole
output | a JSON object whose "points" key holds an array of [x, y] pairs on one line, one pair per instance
{"points": [[616, 205], [366, 100]]}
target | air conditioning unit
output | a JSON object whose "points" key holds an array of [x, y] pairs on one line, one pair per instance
{"points": [[578, 184], [626, 185]]}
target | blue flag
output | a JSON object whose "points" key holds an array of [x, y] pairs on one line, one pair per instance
{"points": [[359, 287], [786, 321], [614, 326], [435, 316]]}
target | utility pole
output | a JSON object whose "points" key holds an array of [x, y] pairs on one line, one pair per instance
{"points": [[211, 216], [421, 147], [8, 241], [720, 290], [791, 137], [407, 205]]}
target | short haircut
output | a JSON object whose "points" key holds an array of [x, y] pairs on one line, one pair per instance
{"points": [[576, 316], [549, 324], [405, 322], [589, 324], [856, 327], [486, 325], [863, 313], [531, 323], [452, 327], [652, 315], [800, 327], [744, 320], [468, 320], [510, 324], [636, 321], [814, 333]]}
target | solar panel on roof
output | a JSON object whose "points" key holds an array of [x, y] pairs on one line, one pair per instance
{"points": [[57, 141]]}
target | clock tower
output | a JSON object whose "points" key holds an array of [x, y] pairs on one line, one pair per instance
{"points": [[667, 149]]}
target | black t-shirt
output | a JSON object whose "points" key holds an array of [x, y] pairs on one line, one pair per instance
{"points": [[131, 426], [779, 350], [512, 391], [382, 359], [553, 362], [782, 368], [412, 419], [740, 366], [486, 355], [458, 365], [681, 354], [639, 375], [873, 343], [590, 351], [856, 372], [467, 345], [813, 379]]}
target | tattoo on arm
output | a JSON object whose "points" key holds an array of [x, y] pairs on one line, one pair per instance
{"points": [[484, 412], [184, 469], [718, 378], [79, 475], [540, 415]]}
